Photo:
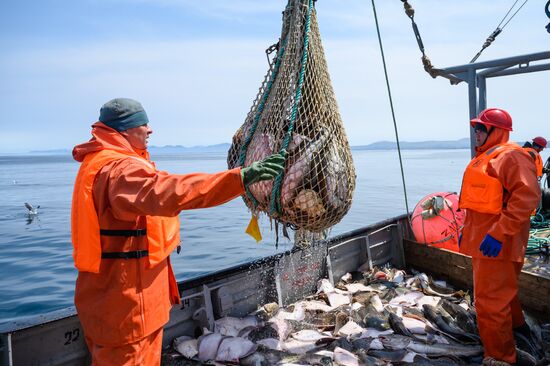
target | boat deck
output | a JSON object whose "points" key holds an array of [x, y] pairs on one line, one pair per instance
{"points": [[284, 278]]}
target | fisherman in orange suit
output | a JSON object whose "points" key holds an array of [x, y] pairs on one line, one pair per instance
{"points": [[499, 191], [534, 149], [125, 224]]}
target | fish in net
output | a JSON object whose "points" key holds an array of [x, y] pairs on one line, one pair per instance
{"points": [[296, 110]]}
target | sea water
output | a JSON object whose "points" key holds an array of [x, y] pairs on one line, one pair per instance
{"points": [[36, 269]]}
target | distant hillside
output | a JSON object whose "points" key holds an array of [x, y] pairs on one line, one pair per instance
{"points": [[223, 148], [380, 145], [421, 145], [172, 149], [167, 149], [51, 152]]}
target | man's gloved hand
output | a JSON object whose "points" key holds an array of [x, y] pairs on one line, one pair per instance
{"points": [[490, 247], [266, 169]]}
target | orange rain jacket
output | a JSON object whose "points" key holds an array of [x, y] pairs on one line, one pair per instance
{"points": [[480, 192], [129, 299], [163, 233], [538, 160], [515, 172]]}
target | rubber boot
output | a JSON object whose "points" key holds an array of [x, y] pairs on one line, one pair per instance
{"points": [[522, 359], [489, 361]]}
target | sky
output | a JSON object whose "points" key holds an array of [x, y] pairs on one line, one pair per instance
{"points": [[196, 66]]}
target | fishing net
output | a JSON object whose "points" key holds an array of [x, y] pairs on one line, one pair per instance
{"points": [[296, 110]]}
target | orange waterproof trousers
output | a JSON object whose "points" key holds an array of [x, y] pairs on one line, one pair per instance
{"points": [[497, 306], [145, 352]]}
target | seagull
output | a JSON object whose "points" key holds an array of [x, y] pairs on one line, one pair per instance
{"points": [[32, 210]]}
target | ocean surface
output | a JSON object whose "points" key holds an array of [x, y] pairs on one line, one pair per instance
{"points": [[36, 270]]}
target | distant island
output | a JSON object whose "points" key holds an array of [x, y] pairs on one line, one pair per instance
{"points": [[379, 145], [218, 148], [421, 145]]}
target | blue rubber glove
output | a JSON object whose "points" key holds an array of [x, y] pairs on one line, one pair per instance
{"points": [[459, 239], [490, 247]]}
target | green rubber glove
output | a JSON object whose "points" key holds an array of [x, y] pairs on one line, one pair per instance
{"points": [[266, 169]]}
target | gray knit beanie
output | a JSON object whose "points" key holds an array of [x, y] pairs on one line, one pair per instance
{"points": [[122, 114]]}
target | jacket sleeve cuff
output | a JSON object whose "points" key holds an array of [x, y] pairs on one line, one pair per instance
{"points": [[496, 234], [239, 174]]}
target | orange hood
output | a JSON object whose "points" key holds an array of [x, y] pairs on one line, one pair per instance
{"points": [[496, 136], [105, 138]]}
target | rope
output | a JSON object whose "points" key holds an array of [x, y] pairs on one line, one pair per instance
{"points": [[392, 109], [498, 30], [275, 204], [537, 244], [513, 15], [428, 67], [261, 105]]}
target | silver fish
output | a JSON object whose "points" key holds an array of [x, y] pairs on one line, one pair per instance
{"points": [[436, 318], [187, 346], [345, 358], [298, 169], [231, 349], [231, 326], [438, 349], [368, 360], [388, 355], [208, 346], [463, 318], [395, 342]]}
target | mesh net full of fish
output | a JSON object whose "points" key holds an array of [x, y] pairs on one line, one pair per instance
{"points": [[296, 110]]}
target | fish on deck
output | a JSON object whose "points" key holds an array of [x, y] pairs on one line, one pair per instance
{"points": [[377, 317]]}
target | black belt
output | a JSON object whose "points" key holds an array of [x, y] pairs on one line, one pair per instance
{"points": [[125, 255], [127, 233]]}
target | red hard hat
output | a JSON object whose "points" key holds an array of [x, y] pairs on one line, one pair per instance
{"points": [[541, 141], [494, 117]]}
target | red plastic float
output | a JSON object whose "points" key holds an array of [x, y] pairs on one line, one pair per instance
{"points": [[436, 220]]}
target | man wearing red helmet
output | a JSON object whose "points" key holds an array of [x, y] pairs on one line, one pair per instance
{"points": [[534, 149], [499, 192]]}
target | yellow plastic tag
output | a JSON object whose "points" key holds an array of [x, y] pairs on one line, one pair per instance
{"points": [[253, 229]]}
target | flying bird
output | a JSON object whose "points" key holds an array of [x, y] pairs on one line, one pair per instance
{"points": [[32, 210]]}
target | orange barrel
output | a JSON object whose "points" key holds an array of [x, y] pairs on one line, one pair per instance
{"points": [[437, 221]]}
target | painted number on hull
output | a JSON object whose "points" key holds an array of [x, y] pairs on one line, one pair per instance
{"points": [[71, 336]]}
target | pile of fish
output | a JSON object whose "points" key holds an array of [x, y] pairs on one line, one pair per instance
{"points": [[376, 317]]}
